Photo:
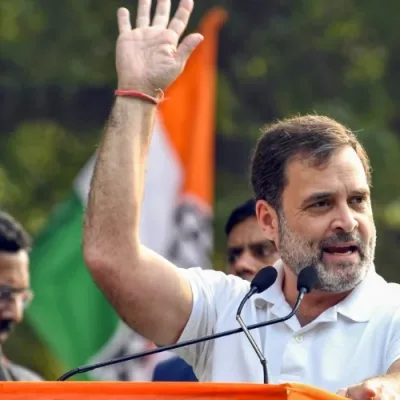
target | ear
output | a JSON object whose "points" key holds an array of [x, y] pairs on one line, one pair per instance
{"points": [[267, 219]]}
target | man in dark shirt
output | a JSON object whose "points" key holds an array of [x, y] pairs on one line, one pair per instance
{"points": [[15, 293]]}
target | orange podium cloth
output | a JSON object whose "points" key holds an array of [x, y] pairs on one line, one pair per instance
{"points": [[159, 390]]}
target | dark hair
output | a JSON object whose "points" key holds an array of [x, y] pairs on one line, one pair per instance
{"points": [[239, 214], [313, 136], [13, 236]]}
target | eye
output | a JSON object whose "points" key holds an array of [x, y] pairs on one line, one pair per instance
{"points": [[321, 204], [234, 254], [260, 250], [358, 200]]}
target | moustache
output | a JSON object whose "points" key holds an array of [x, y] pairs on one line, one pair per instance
{"points": [[6, 325], [344, 237]]}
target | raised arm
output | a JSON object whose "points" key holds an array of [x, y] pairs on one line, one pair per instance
{"points": [[146, 290]]}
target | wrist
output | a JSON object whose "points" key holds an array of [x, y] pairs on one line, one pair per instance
{"points": [[142, 95], [138, 85], [131, 103]]}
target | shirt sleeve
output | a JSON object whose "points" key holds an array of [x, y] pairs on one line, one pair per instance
{"points": [[211, 293]]}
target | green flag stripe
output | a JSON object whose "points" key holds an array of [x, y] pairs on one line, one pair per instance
{"points": [[68, 313]]}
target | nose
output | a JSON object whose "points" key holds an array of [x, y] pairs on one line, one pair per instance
{"points": [[244, 265], [10, 309], [345, 220]]}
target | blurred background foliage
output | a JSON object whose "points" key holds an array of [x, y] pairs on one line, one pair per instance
{"points": [[276, 58]]}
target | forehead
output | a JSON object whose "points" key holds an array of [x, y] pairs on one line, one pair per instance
{"points": [[247, 231], [14, 268], [343, 173]]}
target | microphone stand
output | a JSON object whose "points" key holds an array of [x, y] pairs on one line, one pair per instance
{"points": [[253, 343], [91, 367]]}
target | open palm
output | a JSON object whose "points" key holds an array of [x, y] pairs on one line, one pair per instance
{"points": [[149, 57]]}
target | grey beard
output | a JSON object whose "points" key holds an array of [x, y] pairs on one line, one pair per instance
{"points": [[297, 253]]}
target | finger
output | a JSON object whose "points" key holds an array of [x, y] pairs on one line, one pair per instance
{"points": [[161, 16], [143, 14], [371, 393], [187, 46], [372, 389], [124, 22], [360, 392], [181, 17]]}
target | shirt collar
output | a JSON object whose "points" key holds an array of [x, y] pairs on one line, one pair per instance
{"points": [[274, 294], [358, 306]]}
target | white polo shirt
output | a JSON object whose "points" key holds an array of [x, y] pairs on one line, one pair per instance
{"points": [[357, 339]]}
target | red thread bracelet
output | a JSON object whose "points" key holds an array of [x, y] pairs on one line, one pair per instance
{"points": [[141, 95]]}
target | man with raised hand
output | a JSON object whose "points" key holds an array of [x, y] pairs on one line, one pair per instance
{"points": [[311, 180]]}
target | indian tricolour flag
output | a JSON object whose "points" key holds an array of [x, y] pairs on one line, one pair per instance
{"points": [[69, 314]]}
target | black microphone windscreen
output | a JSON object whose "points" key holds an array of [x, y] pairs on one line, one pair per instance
{"points": [[264, 279], [307, 278]]}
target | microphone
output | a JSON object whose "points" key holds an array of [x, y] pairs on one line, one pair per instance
{"points": [[264, 279], [306, 282]]}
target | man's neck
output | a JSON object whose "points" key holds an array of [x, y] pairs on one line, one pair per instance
{"points": [[313, 304]]}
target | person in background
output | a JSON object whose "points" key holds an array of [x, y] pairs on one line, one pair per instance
{"points": [[247, 252], [247, 249], [15, 293]]}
